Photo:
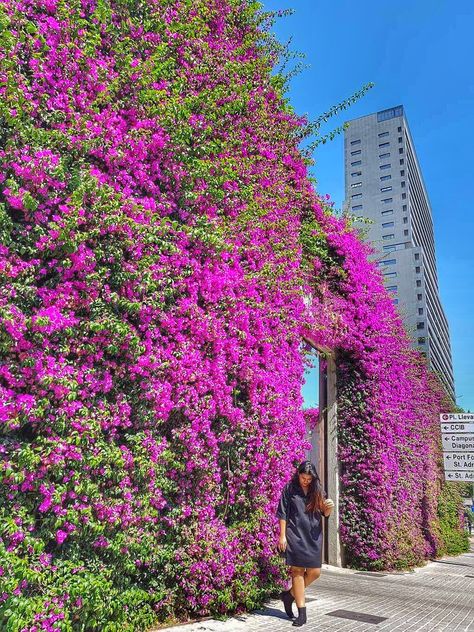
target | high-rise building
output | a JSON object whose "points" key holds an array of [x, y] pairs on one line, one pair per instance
{"points": [[384, 183]]}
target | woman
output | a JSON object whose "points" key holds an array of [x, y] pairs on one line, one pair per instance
{"points": [[301, 506]]}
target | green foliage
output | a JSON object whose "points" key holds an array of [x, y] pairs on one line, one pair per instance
{"points": [[454, 538], [314, 127]]}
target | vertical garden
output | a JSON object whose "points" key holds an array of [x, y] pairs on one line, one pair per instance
{"points": [[159, 239]]}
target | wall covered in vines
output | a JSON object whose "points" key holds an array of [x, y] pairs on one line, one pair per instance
{"points": [[388, 415], [159, 242]]}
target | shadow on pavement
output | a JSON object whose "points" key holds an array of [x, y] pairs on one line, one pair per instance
{"points": [[452, 563], [271, 612]]}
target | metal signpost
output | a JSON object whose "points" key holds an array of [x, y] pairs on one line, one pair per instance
{"points": [[457, 436]]}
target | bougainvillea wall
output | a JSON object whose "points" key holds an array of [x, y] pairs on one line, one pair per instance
{"points": [[160, 239], [388, 412]]}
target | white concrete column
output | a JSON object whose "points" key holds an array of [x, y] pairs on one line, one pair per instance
{"points": [[335, 552]]}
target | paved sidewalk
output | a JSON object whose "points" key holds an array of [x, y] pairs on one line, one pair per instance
{"points": [[439, 596]]}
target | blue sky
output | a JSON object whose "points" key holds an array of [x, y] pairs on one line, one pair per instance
{"points": [[419, 53]]}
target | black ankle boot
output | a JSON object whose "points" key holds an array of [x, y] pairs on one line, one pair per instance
{"points": [[288, 600], [301, 618]]}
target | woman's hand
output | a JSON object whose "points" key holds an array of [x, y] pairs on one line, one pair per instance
{"points": [[282, 543], [328, 506]]}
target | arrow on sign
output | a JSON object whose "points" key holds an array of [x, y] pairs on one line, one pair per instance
{"points": [[460, 427], [459, 476]]}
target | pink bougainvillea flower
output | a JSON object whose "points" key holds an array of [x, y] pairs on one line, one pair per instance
{"points": [[164, 255]]}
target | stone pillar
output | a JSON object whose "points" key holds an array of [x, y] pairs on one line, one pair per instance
{"points": [[335, 555]]}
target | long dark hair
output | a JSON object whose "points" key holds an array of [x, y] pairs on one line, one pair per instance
{"points": [[315, 491]]}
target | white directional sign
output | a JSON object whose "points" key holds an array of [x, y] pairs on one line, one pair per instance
{"points": [[457, 427], [457, 438], [455, 417], [458, 460], [458, 442], [460, 476]]}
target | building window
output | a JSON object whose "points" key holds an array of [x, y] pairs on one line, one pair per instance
{"points": [[420, 325], [400, 139], [405, 233], [421, 340], [404, 196], [402, 161], [387, 200], [387, 155], [420, 311], [384, 145], [418, 283], [400, 150], [417, 256], [395, 301], [400, 246], [405, 208], [390, 275], [418, 269], [356, 196], [387, 237], [392, 288], [390, 212], [388, 224], [383, 134], [356, 173], [393, 247], [405, 220], [385, 189], [356, 163], [356, 153], [383, 178], [387, 262], [357, 208], [386, 115], [402, 172], [403, 184], [355, 142], [419, 296], [399, 130], [385, 166], [354, 185]]}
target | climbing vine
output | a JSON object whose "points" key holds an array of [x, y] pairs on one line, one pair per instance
{"points": [[160, 238]]}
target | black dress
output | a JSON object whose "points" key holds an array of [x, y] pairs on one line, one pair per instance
{"points": [[304, 533]]}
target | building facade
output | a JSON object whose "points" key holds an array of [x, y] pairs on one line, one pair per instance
{"points": [[384, 184]]}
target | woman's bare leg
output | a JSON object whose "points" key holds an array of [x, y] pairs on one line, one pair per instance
{"points": [[311, 575], [297, 585]]}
